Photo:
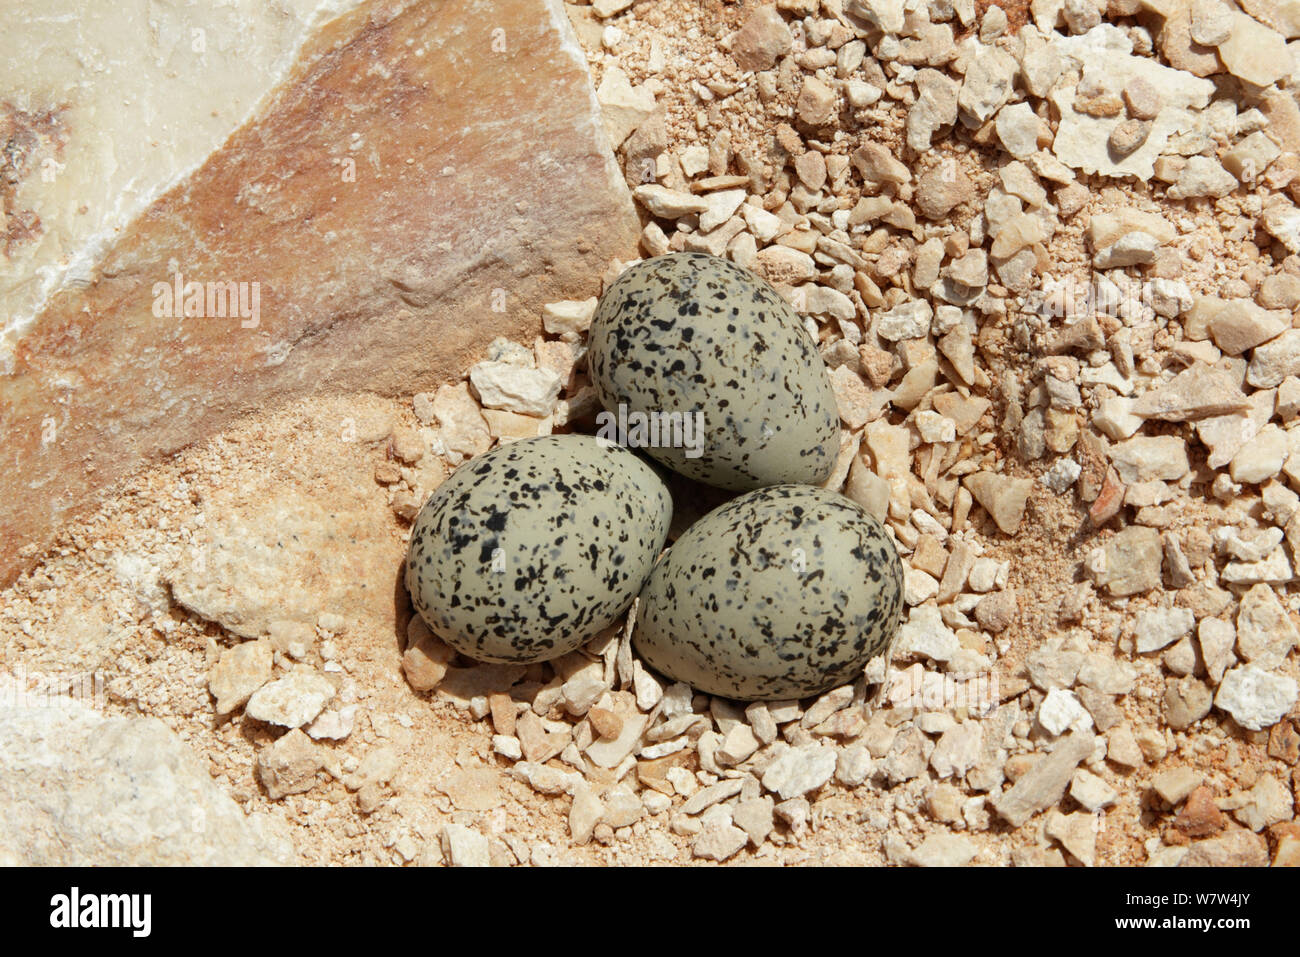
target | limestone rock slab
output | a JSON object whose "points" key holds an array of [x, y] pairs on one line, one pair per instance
{"points": [[427, 176]]}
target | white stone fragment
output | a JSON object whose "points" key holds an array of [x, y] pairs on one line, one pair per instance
{"points": [[291, 701], [1061, 711], [465, 847], [907, 320], [1060, 478], [799, 771], [1159, 627], [1255, 698], [569, 318], [505, 385], [924, 634]]}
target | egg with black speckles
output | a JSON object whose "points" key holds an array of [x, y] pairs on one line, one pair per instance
{"points": [[696, 348], [530, 550], [784, 592]]}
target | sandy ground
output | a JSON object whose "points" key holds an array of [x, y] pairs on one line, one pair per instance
{"points": [[313, 485]]}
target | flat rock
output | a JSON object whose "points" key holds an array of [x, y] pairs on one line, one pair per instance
{"points": [[1241, 325], [1082, 139], [610, 752], [1202, 176], [359, 287], [669, 203], [545, 779], [1044, 784], [584, 813], [504, 385], [334, 723], [1051, 666], [1187, 700], [935, 107], [72, 796], [1281, 220], [1160, 627], [1273, 361], [465, 847], [1255, 53], [761, 39], [1268, 802], [756, 818], [463, 428], [987, 84], [1106, 674], [1217, 639], [1076, 832], [1092, 791], [289, 765], [463, 685], [287, 543], [1192, 394], [707, 797], [1122, 747], [1260, 457], [719, 841], [1143, 458], [1237, 848], [1017, 128], [622, 807], [924, 634], [623, 106], [1225, 435], [958, 749]]}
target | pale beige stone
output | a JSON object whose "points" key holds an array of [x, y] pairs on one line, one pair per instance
{"points": [[239, 672], [668, 203], [1004, 498], [1256, 53], [1194, 393], [1240, 325], [623, 106], [289, 765], [762, 38], [1143, 458]]}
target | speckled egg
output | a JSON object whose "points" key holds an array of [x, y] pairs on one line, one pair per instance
{"points": [[526, 552], [699, 337], [784, 592]]}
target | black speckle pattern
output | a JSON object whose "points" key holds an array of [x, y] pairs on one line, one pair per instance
{"points": [[526, 552], [690, 331], [784, 592]]}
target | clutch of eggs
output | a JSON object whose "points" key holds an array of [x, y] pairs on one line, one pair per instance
{"points": [[529, 551]]}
